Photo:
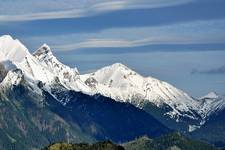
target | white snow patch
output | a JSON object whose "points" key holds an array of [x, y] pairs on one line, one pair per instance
{"points": [[192, 128]]}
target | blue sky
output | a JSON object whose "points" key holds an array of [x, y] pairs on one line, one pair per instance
{"points": [[179, 41]]}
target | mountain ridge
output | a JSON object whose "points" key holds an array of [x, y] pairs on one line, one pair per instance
{"points": [[116, 81], [43, 72]]}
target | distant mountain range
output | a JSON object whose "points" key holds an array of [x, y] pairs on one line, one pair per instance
{"points": [[114, 103]]}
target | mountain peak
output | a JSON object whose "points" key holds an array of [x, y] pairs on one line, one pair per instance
{"points": [[118, 65], [9, 37], [117, 72], [210, 95], [43, 51], [12, 49], [46, 47], [117, 68]]}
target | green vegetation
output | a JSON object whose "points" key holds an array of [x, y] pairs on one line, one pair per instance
{"points": [[173, 141], [107, 145], [25, 124]]}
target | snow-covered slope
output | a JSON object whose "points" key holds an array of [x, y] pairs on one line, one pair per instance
{"points": [[13, 77], [211, 103], [67, 76], [40, 66], [123, 84], [210, 95], [12, 50]]}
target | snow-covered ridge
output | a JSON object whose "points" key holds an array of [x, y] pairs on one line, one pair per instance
{"points": [[13, 77], [69, 77], [11, 49], [48, 60], [116, 81], [40, 66], [123, 84], [211, 103], [210, 95]]}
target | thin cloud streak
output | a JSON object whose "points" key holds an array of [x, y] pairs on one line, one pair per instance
{"points": [[101, 43], [198, 32], [122, 43], [94, 9]]}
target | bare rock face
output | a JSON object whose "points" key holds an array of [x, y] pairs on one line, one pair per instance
{"points": [[3, 72], [91, 82]]}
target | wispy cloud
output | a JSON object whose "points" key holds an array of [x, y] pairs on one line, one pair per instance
{"points": [[219, 70], [199, 32], [119, 43], [100, 43], [73, 9]]}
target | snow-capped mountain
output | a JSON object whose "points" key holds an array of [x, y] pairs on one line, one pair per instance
{"points": [[41, 66], [123, 84], [116, 81], [67, 76], [15, 52]]}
